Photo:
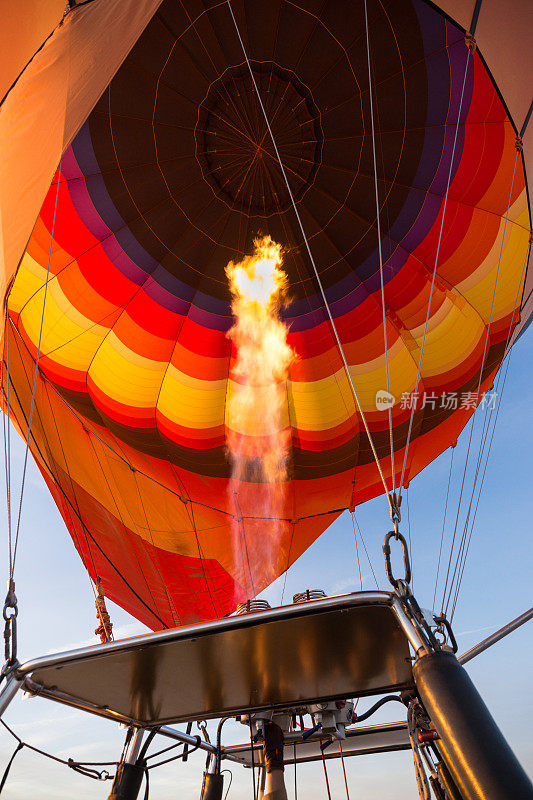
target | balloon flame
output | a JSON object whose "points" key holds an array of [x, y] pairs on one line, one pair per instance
{"points": [[257, 420]]}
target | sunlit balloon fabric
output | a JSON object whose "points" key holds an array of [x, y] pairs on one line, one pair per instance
{"points": [[173, 176]]}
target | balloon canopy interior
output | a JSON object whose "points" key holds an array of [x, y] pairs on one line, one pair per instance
{"points": [[172, 176]]}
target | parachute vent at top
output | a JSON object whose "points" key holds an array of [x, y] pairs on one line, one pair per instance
{"points": [[172, 177]]}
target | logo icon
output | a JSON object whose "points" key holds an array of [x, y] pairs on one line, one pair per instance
{"points": [[384, 400]]}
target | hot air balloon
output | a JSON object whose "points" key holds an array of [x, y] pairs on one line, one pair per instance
{"points": [[171, 177], [380, 149]]}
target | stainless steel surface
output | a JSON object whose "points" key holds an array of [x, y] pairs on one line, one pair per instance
{"points": [[170, 733], [57, 696], [176, 634], [408, 626], [187, 738], [336, 647], [495, 637], [9, 691], [133, 748], [179, 736], [358, 742]]}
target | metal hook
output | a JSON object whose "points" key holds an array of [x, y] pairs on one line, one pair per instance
{"points": [[443, 625], [387, 551]]}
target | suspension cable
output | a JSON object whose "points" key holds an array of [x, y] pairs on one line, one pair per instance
{"points": [[344, 771], [500, 398], [485, 350], [420, 773], [312, 261], [409, 537], [253, 760], [325, 772], [471, 522], [357, 553], [295, 774], [437, 253], [356, 523], [36, 371], [485, 434], [378, 225], [7, 439], [443, 526]]}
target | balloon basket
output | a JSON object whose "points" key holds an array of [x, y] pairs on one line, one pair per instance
{"points": [[311, 657]]}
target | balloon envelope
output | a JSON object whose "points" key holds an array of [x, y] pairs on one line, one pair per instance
{"points": [[171, 177]]}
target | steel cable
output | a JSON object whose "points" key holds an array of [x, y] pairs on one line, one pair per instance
{"points": [[311, 259], [36, 371], [445, 603], [437, 253], [378, 224]]}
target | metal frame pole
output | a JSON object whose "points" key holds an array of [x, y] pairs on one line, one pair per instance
{"points": [[475, 752], [410, 627], [480, 761], [130, 773], [9, 691], [134, 746], [496, 636]]}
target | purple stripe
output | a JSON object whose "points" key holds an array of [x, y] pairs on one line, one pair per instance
{"points": [[444, 69]]}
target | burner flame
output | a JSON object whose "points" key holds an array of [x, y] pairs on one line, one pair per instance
{"points": [[257, 419]]}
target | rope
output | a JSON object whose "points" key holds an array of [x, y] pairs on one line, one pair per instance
{"points": [[176, 758], [147, 784], [253, 761], [460, 580], [120, 456], [147, 742], [288, 562], [7, 442], [73, 526], [83, 767], [485, 434], [32, 405], [409, 537], [437, 253], [378, 225], [18, 748], [312, 260], [354, 523], [443, 526], [165, 750], [485, 350], [77, 514], [230, 773], [357, 554], [420, 774], [325, 771], [344, 771], [105, 629], [295, 778]]}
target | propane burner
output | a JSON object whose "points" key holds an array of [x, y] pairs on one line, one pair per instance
{"points": [[309, 594], [252, 606]]}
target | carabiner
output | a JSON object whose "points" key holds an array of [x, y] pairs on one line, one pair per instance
{"points": [[387, 551]]}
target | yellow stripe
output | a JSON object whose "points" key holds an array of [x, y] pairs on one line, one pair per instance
{"points": [[478, 289], [125, 376], [30, 277], [192, 402]]}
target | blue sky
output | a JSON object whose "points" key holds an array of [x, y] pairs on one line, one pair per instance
{"points": [[57, 612]]}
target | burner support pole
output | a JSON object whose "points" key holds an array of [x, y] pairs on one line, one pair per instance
{"points": [[130, 773], [473, 748]]}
